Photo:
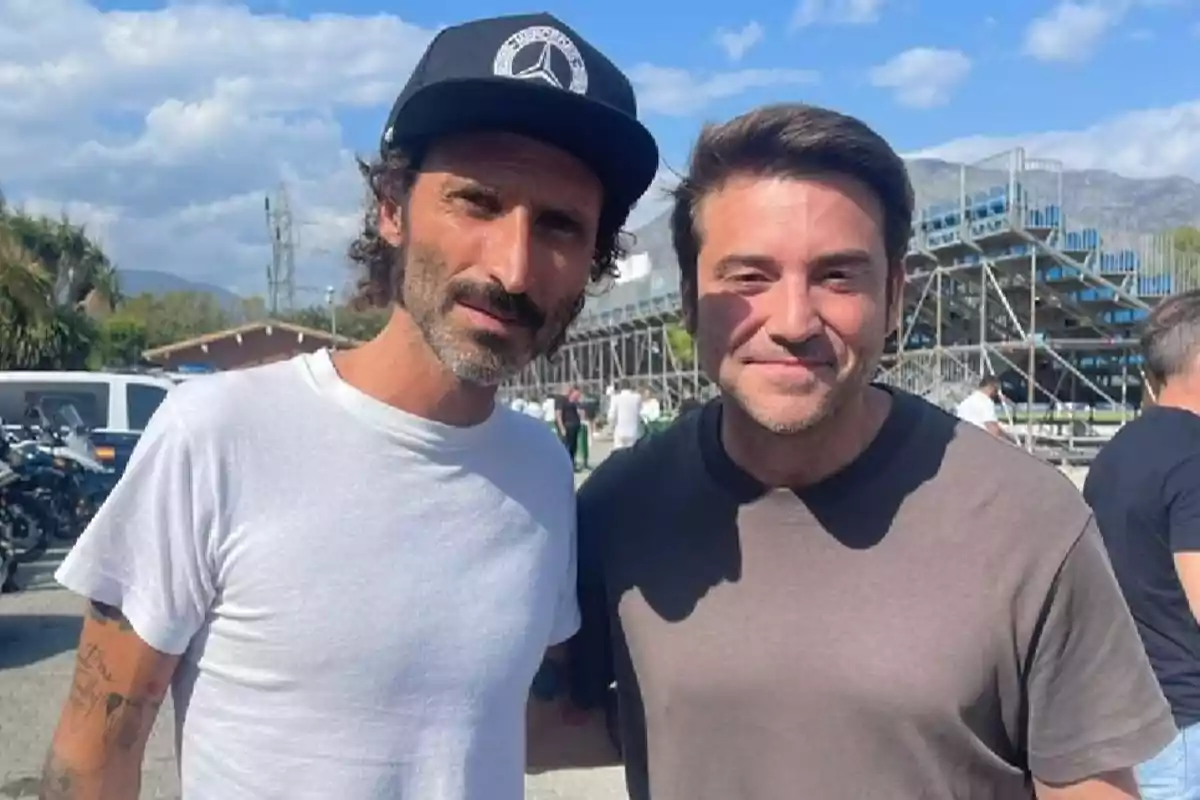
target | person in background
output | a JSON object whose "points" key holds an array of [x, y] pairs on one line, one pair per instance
{"points": [[688, 404], [651, 409], [805, 590], [625, 416], [1144, 486], [979, 407], [567, 421], [398, 666], [584, 447]]}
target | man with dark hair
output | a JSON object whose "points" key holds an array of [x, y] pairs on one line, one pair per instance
{"points": [[804, 589], [567, 420], [349, 566], [979, 407], [1145, 489]]}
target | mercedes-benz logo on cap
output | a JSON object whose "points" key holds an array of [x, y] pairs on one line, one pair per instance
{"points": [[539, 53]]}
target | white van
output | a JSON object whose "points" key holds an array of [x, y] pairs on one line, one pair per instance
{"points": [[115, 406]]}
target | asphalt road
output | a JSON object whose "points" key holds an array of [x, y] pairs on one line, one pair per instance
{"points": [[39, 630]]}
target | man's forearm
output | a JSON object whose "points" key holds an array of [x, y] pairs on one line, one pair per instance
{"points": [[109, 780]]}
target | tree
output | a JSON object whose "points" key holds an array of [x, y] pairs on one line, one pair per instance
{"points": [[1187, 239], [122, 341], [681, 345], [175, 316], [37, 331], [352, 323]]}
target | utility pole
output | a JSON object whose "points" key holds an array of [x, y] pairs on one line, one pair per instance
{"points": [[281, 272]]}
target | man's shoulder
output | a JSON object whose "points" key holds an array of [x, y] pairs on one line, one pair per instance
{"points": [[211, 405], [995, 481]]}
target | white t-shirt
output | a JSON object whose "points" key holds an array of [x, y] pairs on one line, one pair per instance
{"points": [[361, 596], [977, 408], [624, 414]]}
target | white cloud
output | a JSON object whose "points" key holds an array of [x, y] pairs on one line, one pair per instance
{"points": [[923, 77], [1072, 31], [1139, 144], [164, 130], [736, 43], [835, 12], [678, 92]]}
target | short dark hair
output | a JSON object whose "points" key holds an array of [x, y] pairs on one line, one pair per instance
{"points": [[1171, 337], [790, 139], [379, 264], [989, 382]]}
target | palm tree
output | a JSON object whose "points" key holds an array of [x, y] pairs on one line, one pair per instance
{"points": [[25, 286]]}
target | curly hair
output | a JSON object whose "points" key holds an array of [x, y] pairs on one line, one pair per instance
{"points": [[380, 264]]}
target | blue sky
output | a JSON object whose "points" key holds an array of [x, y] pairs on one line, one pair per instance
{"points": [[162, 125]]}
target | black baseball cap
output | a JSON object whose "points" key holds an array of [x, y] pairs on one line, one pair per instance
{"points": [[532, 75]]}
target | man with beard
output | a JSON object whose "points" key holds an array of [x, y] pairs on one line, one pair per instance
{"points": [[349, 567], [804, 589]]}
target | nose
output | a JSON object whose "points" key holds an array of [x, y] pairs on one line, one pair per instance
{"points": [[508, 250], [791, 317]]}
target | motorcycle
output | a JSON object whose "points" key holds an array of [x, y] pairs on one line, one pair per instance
{"points": [[26, 519], [60, 466]]}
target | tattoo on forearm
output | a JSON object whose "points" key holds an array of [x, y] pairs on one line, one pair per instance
{"points": [[93, 691], [58, 780], [108, 615]]}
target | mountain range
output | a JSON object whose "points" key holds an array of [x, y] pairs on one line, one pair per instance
{"points": [[157, 282], [1089, 199]]}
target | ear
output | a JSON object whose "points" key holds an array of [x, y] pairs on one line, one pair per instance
{"points": [[391, 223]]}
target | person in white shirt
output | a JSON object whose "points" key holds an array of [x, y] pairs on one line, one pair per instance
{"points": [[979, 407], [348, 568], [625, 417], [651, 409]]}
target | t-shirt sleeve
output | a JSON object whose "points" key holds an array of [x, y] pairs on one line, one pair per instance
{"points": [[147, 550], [1182, 494], [985, 410], [591, 656], [1094, 705]]}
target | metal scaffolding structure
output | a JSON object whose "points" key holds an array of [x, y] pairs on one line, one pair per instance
{"points": [[1000, 282]]}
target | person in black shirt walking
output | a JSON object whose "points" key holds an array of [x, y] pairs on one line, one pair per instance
{"points": [[1144, 487], [567, 421]]}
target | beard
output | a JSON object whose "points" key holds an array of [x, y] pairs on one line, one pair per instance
{"points": [[478, 357], [796, 408]]}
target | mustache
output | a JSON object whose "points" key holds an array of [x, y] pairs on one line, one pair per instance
{"points": [[494, 299], [816, 349]]}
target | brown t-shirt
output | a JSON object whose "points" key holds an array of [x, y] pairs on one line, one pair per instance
{"points": [[937, 620]]}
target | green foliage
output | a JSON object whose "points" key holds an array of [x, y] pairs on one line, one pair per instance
{"points": [[122, 340], [681, 345], [1187, 239], [360, 325]]}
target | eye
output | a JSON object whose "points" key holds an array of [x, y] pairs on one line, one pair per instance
{"points": [[479, 202], [560, 223]]}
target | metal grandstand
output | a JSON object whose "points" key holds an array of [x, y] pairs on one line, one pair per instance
{"points": [[1000, 282]]}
